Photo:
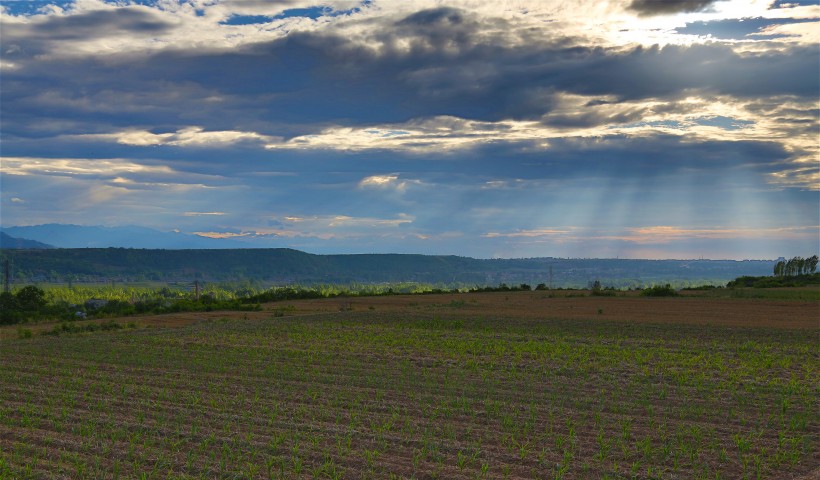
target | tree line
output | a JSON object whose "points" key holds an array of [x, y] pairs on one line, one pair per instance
{"points": [[795, 266]]}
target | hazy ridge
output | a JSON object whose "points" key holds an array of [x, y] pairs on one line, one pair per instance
{"points": [[288, 266]]}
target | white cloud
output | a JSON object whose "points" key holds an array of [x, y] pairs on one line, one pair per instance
{"points": [[117, 173], [388, 182], [336, 227], [658, 234], [379, 181], [205, 214], [186, 137], [202, 24], [77, 166]]}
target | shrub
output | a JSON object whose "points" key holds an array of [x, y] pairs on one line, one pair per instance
{"points": [[660, 291], [598, 291], [31, 298]]}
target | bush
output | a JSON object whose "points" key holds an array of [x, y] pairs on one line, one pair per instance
{"points": [[775, 282], [30, 299], [660, 291], [598, 291]]}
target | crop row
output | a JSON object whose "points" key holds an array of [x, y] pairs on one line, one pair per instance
{"points": [[362, 395]]}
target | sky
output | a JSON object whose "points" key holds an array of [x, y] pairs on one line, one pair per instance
{"points": [[484, 128]]}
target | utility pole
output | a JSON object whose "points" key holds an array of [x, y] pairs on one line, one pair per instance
{"points": [[196, 290], [550, 277]]}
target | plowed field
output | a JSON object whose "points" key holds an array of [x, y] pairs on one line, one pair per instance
{"points": [[492, 385]]}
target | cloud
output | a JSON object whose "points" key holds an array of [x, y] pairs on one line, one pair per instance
{"points": [[76, 166], [200, 214], [333, 84], [665, 234], [224, 234], [101, 23], [541, 232], [343, 124], [665, 7], [656, 234], [323, 227], [379, 181], [185, 137]]}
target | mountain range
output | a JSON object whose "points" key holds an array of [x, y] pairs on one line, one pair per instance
{"points": [[282, 266], [7, 241], [55, 252], [80, 236]]}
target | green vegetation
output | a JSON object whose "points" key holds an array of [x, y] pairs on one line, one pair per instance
{"points": [[67, 328], [659, 291], [796, 294], [428, 395], [598, 291], [32, 304], [796, 266], [28, 302], [775, 282]]}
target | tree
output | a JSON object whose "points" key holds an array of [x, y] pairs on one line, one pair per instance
{"points": [[7, 301], [9, 311], [596, 286], [780, 268], [796, 266], [811, 264], [789, 270], [30, 298]]}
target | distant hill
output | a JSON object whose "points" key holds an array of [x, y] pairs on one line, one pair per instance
{"points": [[287, 266], [79, 236], [7, 241]]}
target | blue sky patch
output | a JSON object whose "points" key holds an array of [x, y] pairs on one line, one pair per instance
{"points": [[247, 20], [31, 7], [726, 123], [805, 3], [735, 29], [313, 13]]}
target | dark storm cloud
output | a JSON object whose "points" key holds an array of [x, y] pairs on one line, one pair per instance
{"points": [[435, 19], [665, 7], [432, 63], [24, 41], [438, 28], [102, 23], [304, 82]]}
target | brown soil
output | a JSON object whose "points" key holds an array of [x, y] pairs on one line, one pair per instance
{"points": [[562, 304], [631, 308]]}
